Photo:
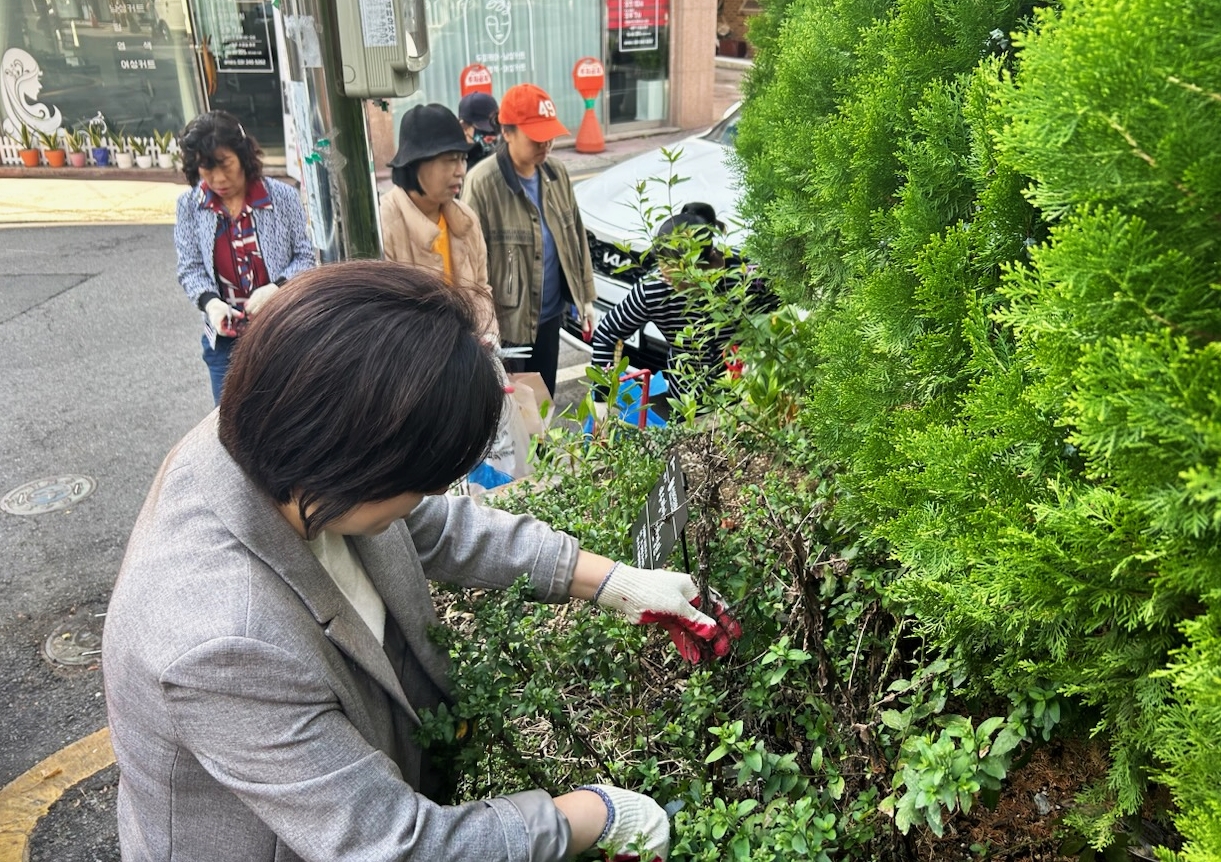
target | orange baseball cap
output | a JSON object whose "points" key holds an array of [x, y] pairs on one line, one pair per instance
{"points": [[528, 107]]}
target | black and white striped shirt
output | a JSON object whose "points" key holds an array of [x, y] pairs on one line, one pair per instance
{"points": [[653, 300]]}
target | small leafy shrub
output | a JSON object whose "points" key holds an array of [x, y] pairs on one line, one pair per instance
{"points": [[756, 752], [944, 774]]}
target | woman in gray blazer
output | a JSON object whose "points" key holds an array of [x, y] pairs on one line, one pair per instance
{"points": [[266, 646]]}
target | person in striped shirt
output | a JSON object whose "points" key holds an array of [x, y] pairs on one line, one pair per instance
{"points": [[662, 297]]}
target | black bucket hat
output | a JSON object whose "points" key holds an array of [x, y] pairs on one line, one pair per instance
{"points": [[427, 131]]}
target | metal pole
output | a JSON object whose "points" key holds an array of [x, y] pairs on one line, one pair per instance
{"points": [[337, 173]]}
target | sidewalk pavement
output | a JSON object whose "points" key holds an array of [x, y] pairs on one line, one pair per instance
{"points": [[87, 201], [115, 195]]}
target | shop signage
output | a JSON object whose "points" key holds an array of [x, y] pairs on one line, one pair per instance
{"points": [[638, 23], [248, 50], [20, 85], [500, 35], [588, 77], [663, 519], [134, 55]]}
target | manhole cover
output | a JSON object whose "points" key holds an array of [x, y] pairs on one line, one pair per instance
{"points": [[47, 495], [74, 643]]}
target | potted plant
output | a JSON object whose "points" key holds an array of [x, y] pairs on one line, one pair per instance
{"points": [[165, 143], [30, 157], [122, 150], [97, 144], [52, 151], [139, 147], [76, 141]]}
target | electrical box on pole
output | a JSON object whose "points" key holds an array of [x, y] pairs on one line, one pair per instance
{"points": [[340, 53], [383, 44]]}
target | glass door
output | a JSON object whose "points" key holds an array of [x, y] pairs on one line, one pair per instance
{"points": [[235, 41], [638, 71]]}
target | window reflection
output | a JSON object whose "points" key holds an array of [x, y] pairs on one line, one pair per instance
{"points": [[129, 60]]}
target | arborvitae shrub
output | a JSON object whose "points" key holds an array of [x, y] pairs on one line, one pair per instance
{"points": [[1014, 253]]}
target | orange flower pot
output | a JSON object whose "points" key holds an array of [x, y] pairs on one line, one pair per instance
{"points": [[55, 158], [30, 158]]}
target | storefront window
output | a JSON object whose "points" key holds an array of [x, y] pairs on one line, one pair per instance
{"points": [[519, 41], [64, 61], [237, 48]]}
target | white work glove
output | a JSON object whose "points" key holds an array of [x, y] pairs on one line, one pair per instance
{"points": [[671, 600], [223, 317], [589, 319], [636, 826], [258, 298]]}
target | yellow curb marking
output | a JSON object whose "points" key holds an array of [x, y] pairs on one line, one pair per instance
{"points": [[29, 796]]}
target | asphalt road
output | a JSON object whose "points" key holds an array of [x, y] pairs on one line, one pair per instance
{"points": [[100, 374]]}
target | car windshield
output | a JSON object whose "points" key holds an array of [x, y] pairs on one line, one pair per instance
{"points": [[724, 132]]}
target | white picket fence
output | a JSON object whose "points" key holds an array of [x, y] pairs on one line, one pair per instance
{"points": [[10, 149]]}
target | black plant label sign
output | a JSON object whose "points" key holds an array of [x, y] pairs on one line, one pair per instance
{"points": [[663, 518]]}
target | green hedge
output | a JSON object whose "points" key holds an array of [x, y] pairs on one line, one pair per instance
{"points": [[1008, 221]]}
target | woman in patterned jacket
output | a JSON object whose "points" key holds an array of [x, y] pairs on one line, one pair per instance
{"points": [[239, 235]]}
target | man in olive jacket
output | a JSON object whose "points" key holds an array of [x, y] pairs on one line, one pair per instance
{"points": [[538, 257]]}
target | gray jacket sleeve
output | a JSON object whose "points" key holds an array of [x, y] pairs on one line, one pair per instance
{"points": [[235, 700], [464, 543]]}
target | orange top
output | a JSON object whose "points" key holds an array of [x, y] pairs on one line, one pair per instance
{"points": [[441, 246]]}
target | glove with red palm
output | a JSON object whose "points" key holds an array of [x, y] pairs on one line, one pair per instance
{"points": [[671, 600]]}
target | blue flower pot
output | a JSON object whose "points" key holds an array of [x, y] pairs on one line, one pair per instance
{"points": [[101, 155]]}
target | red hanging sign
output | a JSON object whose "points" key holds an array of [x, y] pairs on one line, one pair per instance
{"points": [[626, 14], [475, 78]]}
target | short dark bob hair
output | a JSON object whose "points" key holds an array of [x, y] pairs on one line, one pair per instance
{"points": [[358, 382], [407, 177], [208, 133]]}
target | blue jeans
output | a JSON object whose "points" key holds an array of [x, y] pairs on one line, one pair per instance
{"points": [[217, 360]]}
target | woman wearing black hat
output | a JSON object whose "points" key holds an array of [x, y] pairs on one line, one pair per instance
{"points": [[423, 223]]}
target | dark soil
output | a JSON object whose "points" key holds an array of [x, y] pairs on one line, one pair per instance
{"points": [[1026, 823]]}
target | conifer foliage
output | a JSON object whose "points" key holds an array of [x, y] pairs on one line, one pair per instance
{"points": [[1009, 221]]}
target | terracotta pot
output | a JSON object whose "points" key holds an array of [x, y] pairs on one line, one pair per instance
{"points": [[55, 158], [30, 158], [77, 160]]}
